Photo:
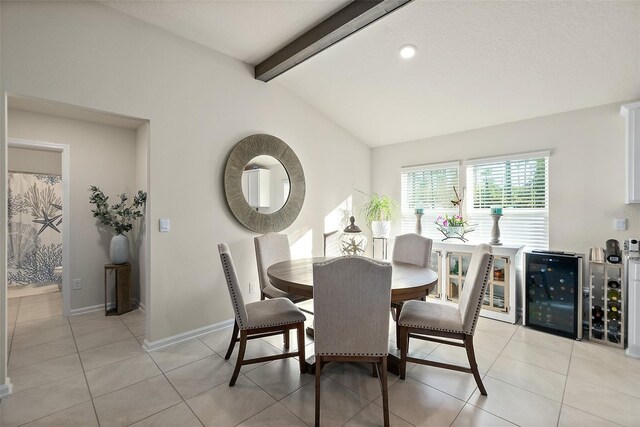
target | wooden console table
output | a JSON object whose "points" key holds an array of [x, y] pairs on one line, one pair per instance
{"points": [[122, 273]]}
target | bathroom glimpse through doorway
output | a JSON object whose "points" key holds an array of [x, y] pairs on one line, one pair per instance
{"points": [[38, 239]]}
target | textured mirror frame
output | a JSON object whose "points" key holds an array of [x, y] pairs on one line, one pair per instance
{"points": [[241, 155]]}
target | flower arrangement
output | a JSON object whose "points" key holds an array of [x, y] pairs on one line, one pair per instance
{"points": [[451, 221], [120, 215], [454, 226]]}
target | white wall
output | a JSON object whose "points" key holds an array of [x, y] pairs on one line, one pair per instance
{"points": [[101, 155], [586, 169], [199, 103], [36, 161]]}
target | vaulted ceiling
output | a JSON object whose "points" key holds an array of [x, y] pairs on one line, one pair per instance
{"points": [[479, 63]]}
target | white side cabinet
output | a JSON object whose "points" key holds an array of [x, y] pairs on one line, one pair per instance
{"points": [[632, 144], [255, 187], [503, 297], [633, 307]]}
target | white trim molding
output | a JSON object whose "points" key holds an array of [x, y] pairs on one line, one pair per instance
{"points": [[516, 156], [631, 113], [6, 389], [88, 309], [165, 342]]}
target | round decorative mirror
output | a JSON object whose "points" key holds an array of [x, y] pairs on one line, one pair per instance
{"points": [[264, 183]]}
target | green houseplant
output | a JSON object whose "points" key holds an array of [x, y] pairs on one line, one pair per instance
{"points": [[379, 211], [119, 217]]}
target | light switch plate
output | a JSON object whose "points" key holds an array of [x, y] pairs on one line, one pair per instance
{"points": [[620, 224], [165, 225]]}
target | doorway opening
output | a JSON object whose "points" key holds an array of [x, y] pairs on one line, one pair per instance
{"points": [[37, 239]]}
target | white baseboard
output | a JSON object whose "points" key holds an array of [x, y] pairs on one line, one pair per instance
{"points": [[141, 306], [97, 307], [165, 342], [6, 389], [88, 309], [633, 351]]}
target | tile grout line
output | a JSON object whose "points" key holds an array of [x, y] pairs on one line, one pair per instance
{"points": [[566, 380], [95, 412], [164, 374], [485, 375]]}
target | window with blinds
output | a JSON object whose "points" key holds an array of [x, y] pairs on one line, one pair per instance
{"points": [[430, 188], [520, 185]]}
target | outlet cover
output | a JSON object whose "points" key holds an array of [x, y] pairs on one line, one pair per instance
{"points": [[77, 283], [620, 224]]}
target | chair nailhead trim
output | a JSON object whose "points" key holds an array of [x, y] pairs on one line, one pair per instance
{"points": [[236, 306], [352, 354]]}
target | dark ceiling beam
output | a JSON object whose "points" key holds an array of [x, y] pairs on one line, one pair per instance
{"points": [[346, 21]]}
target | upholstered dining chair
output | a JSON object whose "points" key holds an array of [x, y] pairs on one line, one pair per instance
{"points": [[272, 248], [426, 320], [351, 297], [259, 319], [412, 249]]}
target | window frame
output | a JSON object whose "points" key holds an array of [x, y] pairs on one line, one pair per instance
{"points": [[533, 218], [407, 215]]}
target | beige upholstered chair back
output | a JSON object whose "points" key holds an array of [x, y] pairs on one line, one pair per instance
{"points": [[230, 275], [351, 297], [271, 248], [475, 284], [412, 249]]}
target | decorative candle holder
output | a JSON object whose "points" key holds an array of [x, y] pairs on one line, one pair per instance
{"points": [[419, 223], [495, 230]]}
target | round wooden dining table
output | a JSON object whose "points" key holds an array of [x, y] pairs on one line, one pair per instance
{"points": [[408, 281]]}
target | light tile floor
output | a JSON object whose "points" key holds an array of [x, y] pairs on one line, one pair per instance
{"points": [[90, 370]]}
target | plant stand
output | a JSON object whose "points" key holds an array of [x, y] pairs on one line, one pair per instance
{"points": [[122, 277]]}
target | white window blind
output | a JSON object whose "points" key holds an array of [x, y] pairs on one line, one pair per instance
{"points": [[428, 187], [520, 185]]}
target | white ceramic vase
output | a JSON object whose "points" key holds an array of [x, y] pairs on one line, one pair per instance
{"points": [[119, 249], [381, 228]]}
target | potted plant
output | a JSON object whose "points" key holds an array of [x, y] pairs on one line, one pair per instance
{"points": [[379, 211], [119, 217]]}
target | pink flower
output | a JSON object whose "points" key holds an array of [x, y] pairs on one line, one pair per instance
{"points": [[445, 223]]}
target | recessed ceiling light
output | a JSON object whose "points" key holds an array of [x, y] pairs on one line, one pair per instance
{"points": [[408, 51]]}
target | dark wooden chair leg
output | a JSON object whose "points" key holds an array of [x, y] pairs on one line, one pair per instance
{"points": [[234, 338], [301, 351], [403, 339], [318, 369], [241, 350], [468, 345], [397, 316], [385, 392], [374, 371], [285, 335]]}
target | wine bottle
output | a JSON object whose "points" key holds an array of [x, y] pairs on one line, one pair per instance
{"points": [[613, 306], [614, 284], [613, 295], [613, 316], [597, 313]]}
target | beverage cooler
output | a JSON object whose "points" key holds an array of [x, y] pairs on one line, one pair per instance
{"points": [[553, 293]]}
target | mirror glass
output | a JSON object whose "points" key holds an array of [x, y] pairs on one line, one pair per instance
{"points": [[265, 184]]}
